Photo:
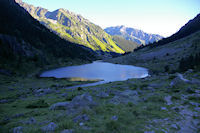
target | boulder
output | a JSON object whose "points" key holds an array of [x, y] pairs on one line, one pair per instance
{"points": [[31, 121], [168, 100], [18, 129], [114, 118], [84, 101], [102, 94], [50, 127], [59, 106], [125, 97], [67, 131], [179, 81], [81, 118]]}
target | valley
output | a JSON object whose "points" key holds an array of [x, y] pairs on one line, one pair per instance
{"points": [[51, 79]]}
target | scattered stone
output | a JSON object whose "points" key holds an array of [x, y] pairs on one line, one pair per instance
{"points": [[5, 120], [4, 101], [30, 121], [81, 118], [103, 95], [156, 85], [179, 81], [50, 127], [114, 118], [163, 108], [64, 95], [42, 92], [174, 126], [78, 103], [149, 88], [195, 81], [81, 124], [82, 101], [18, 115], [188, 71], [59, 106], [189, 90], [127, 96], [149, 132], [68, 131], [168, 100], [18, 129], [164, 131]]}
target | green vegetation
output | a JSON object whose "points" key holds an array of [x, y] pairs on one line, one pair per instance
{"points": [[74, 28], [126, 45], [26, 45], [24, 101], [173, 57]]}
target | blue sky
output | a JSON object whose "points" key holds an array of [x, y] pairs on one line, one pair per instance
{"points": [[163, 17]]}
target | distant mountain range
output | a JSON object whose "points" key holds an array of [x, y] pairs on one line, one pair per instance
{"points": [[132, 34], [74, 28]]}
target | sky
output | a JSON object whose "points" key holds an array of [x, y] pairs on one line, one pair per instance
{"points": [[163, 17]]}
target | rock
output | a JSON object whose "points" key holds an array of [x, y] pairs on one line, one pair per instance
{"points": [[195, 81], [149, 132], [179, 81], [81, 118], [103, 95], [125, 97], [156, 85], [163, 108], [30, 121], [190, 90], [18, 129], [4, 101], [78, 103], [41, 92], [188, 71], [18, 115], [64, 95], [149, 88], [174, 126], [67, 131], [59, 106], [49, 128], [129, 93], [168, 100], [5, 120], [81, 101], [114, 118], [81, 124]]}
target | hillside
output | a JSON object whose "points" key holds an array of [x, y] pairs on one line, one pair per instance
{"points": [[126, 45], [74, 28], [167, 54], [135, 35], [191, 27], [25, 44]]}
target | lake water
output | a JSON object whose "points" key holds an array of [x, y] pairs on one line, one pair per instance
{"points": [[107, 72]]}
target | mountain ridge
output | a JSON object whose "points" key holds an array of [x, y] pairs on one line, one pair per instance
{"points": [[26, 45], [74, 28], [133, 34]]}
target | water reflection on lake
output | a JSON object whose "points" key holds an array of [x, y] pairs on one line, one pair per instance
{"points": [[98, 70]]}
